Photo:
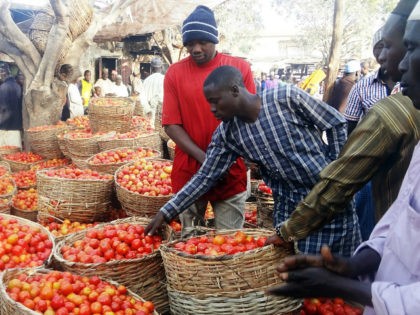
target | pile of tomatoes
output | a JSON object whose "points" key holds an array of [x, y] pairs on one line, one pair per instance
{"points": [[112, 242], [220, 244], [63, 293], [324, 306]]}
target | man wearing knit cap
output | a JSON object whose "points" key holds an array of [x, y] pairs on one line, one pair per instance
{"points": [[390, 258], [188, 121]]}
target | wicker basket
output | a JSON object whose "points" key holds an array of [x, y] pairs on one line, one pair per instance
{"points": [[83, 147], [13, 191], [83, 200], [5, 205], [62, 143], [8, 149], [243, 302], [251, 207], [112, 167], [229, 279], [144, 276], [16, 166], [80, 163], [81, 16], [147, 140], [11, 307], [44, 142], [28, 215], [136, 204], [265, 208], [111, 114], [138, 108], [6, 167]]}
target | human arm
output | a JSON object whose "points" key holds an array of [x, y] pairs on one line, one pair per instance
{"points": [[354, 109], [367, 149], [178, 134], [218, 161]]}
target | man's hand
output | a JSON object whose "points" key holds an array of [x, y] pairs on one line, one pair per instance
{"points": [[303, 283], [155, 224], [278, 241], [339, 265]]}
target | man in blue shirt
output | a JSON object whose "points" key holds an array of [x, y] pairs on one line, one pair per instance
{"points": [[281, 131]]}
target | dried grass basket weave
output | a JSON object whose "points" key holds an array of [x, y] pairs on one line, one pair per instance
{"points": [[11, 307], [229, 279], [31, 215], [265, 208], [136, 204], [44, 142], [83, 200], [147, 140], [111, 114], [5, 205], [13, 191], [144, 276], [243, 302], [6, 167], [253, 269], [83, 147], [110, 168], [16, 166]]}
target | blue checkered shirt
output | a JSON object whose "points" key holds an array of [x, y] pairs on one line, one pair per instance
{"points": [[364, 95], [286, 142]]}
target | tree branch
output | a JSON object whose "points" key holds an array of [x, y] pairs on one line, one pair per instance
{"points": [[13, 34], [54, 46], [21, 60]]}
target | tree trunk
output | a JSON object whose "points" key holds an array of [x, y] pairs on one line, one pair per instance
{"points": [[335, 49]]}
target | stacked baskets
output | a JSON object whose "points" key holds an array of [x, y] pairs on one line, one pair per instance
{"points": [[229, 284], [111, 114], [8, 149], [144, 276], [8, 190], [138, 139], [83, 200]]}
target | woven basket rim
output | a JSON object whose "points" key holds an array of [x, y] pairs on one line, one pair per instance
{"points": [[168, 247], [57, 250], [88, 160], [42, 171]]}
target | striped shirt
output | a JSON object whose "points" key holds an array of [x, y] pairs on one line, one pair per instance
{"points": [[286, 142], [364, 95], [380, 148]]}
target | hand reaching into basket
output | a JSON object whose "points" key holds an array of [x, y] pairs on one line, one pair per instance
{"points": [[155, 224]]}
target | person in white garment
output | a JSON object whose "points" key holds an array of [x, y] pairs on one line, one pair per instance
{"points": [[120, 89], [153, 91], [75, 99]]}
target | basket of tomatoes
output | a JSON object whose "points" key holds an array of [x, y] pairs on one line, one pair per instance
{"points": [[320, 306], [83, 144], [43, 140], [7, 187], [110, 160], [24, 243], [111, 114], [25, 204], [265, 205], [20, 161], [144, 186], [132, 139], [119, 251], [8, 149], [43, 291], [231, 268], [25, 179], [70, 193], [4, 169]]}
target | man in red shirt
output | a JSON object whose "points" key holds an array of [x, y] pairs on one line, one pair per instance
{"points": [[188, 121]]}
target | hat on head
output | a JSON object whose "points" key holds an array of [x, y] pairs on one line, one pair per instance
{"points": [[156, 62], [200, 25], [404, 8], [377, 37], [352, 66], [415, 14]]}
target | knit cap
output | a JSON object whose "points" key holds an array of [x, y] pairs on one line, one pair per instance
{"points": [[377, 37], [200, 25]]}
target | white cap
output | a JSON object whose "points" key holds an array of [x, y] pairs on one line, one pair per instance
{"points": [[352, 66], [415, 14]]}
